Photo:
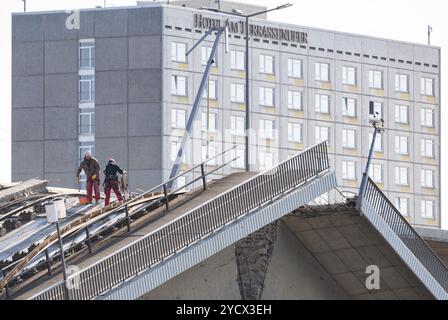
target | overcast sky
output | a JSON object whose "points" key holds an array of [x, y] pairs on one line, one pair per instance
{"points": [[405, 20]]}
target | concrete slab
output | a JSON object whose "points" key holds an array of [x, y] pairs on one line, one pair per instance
{"points": [[334, 239], [354, 235], [350, 283], [373, 256], [393, 278], [331, 262], [313, 241], [352, 259]]}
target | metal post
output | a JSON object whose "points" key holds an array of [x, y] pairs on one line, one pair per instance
{"points": [[429, 35], [64, 269], [47, 258], [366, 171], [89, 243], [246, 158], [165, 192], [128, 223], [197, 101], [24, 5], [204, 182]]}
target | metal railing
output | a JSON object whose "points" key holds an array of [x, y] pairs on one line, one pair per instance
{"points": [[394, 219], [163, 200], [192, 226]]}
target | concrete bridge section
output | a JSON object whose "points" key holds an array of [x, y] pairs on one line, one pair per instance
{"points": [[189, 201], [317, 253]]}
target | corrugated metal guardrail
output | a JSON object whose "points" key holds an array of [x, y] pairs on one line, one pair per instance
{"points": [[191, 227], [424, 255]]}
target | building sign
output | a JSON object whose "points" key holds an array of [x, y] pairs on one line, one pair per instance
{"points": [[261, 31]]}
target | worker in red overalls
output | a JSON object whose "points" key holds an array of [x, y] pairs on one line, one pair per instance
{"points": [[111, 180], [91, 168]]}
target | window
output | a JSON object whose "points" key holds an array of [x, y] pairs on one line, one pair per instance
{"points": [[322, 103], [349, 75], [401, 145], [427, 148], [211, 153], [178, 117], [375, 79], [401, 114], [375, 110], [349, 138], [427, 209], [212, 85], [427, 118], [401, 176], [175, 145], [178, 51], [205, 55], [427, 87], [266, 129], [295, 100], [376, 173], [322, 134], [294, 132], [266, 160], [86, 88], [294, 68], [178, 85], [211, 122], [402, 205], [401, 82], [237, 153], [87, 122], [322, 72], [267, 97], [237, 92], [349, 170], [86, 55], [427, 178], [237, 60], [237, 125], [266, 64], [349, 107], [378, 146]]}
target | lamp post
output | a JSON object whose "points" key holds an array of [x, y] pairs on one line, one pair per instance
{"points": [[55, 210], [378, 125], [247, 87]]}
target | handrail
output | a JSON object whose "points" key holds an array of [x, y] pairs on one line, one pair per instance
{"points": [[193, 226], [402, 228], [125, 205]]}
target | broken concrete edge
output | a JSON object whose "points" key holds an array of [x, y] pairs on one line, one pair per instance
{"points": [[433, 234], [23, 189]]}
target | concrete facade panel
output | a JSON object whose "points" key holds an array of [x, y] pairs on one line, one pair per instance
{"points": [[30, 118], [61, 123], [61, 90], [61, 56], [27, 91], [111, 121], [111, 87], [111, 54], [61, 156], [27, 58]]}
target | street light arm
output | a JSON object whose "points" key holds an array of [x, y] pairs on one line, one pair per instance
{"points": [[283, 6]]}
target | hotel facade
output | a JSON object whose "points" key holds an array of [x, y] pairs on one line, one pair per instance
{"points": [[117, 82]]}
